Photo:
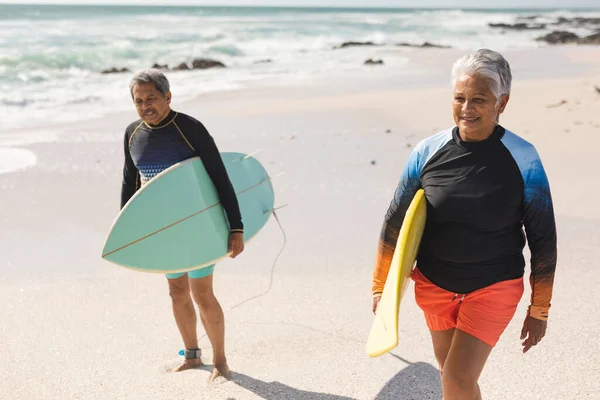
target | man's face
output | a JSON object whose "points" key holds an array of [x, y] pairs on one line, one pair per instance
{"points": [[151, 105]]}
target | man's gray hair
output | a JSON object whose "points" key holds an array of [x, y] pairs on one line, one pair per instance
{"points": [[488, 64], [153, 76]]}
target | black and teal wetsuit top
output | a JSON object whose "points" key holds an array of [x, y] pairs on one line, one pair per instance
{"points": [[480, 196], [150, 149]]}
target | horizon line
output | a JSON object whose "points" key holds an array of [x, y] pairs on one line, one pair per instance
{"points": [[130, 4]]}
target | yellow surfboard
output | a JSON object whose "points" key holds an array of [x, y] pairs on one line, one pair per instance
{"points": [[384, 331]]}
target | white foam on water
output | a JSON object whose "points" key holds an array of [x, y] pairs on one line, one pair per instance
{"points": [[15, 159]]}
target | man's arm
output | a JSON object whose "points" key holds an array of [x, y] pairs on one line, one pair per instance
{"points": [[131, 179], [408, 186], [540, 227], [207, 150]]}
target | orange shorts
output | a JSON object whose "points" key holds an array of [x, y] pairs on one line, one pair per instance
{"points": [[484, 313]]}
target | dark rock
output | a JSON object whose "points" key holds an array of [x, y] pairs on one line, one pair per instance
{"points": [[115, 70], [528, 17], [424, 45], [559, 37], [370, 61], [592, 39], [578, 21], [354, 44], [158, 66], [373, 162], [182, 67], [521, 26], [204, 63]]}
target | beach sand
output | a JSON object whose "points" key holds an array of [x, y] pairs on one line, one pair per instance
{"points": [[77, 327]]}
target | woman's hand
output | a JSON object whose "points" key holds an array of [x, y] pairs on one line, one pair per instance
{"points": [[533, 331]]}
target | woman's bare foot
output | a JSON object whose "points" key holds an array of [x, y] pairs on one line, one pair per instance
{"points": [[189, 364], [220, 370]]}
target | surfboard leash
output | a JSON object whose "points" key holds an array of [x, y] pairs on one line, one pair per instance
{"points": [[272, 267]]}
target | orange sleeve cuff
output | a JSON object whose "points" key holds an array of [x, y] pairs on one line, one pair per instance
{"points": [[538, 312]]}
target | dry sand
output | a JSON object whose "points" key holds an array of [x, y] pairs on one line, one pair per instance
{"points": [[76, 327]]}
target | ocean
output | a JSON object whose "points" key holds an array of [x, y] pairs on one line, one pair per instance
{"points": [[51, 57]]}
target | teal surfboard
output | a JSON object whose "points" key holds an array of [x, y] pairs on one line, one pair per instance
{"points": [[176, 222]]}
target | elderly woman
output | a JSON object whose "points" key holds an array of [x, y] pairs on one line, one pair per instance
{"points": [[483, 185]]}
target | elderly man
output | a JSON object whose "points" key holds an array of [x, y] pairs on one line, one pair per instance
{"points": [[160, 138]]}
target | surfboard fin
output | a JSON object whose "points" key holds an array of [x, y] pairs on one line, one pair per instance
{"points": [[251, 154], [275, 209]]}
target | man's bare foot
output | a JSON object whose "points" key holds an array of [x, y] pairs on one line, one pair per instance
{"points": [[220, 370], [189, 364]]}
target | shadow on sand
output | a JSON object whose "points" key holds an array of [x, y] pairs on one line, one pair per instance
{"points": [[417, 381]]}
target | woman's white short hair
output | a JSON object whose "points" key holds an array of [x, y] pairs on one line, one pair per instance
{"points": [[488, 64]]}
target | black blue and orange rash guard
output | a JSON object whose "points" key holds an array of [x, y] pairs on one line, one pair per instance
{"points": [[150, 149], [480, 196]]}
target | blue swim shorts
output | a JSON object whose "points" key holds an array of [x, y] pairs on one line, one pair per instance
{"points": [[195, 274]]}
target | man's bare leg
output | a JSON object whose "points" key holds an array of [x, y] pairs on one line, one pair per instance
{"points": [[185, 317], [213, 320]]}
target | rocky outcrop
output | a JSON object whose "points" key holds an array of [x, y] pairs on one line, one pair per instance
{"points": [[591, 39], [424, 45], [205, 63], [181, 67], [559, 37], [520, 26], [578, 21], [564, 37], [371, 61], [114, 70], [199, 63], [354, 44]]}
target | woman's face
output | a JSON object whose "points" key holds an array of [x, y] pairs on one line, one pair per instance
{"points": [[475, 108]]}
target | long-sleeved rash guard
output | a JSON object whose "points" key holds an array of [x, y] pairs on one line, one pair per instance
{"points": [[150, 149], [479, 195]]}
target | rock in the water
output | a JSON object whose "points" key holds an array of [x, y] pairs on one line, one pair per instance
{"points": [[370, 61], [559, 37], [182, 67], [592, 39], [115, 70], [354, 44], [204, 63], [528, 17], [424, 45], [520, 26], [579, 21], [158, 66]]}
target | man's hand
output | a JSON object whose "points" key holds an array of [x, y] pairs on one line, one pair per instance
{"points": [[376, 303], [236, 243], [533, 331]]}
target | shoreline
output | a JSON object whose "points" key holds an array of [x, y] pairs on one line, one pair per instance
{"points": [[424, 68]]}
